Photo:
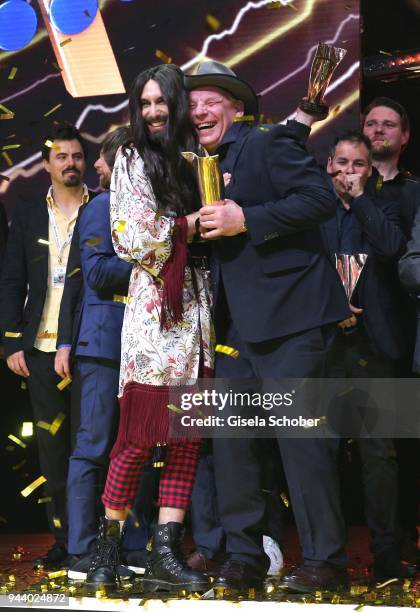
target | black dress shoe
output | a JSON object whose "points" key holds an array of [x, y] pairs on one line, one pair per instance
{"points": [[311, 578], [56, 557], [238, 576], [389, 566]]}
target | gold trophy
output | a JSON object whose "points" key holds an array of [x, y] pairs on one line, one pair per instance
{"points": [[324, 63], [209, 176], [349, 268]]}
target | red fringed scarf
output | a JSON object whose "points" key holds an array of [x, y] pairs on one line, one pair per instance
{"points": [[173, 273]]}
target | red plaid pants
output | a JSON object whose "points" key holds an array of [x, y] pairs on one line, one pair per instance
{"points": [[176, 479]]}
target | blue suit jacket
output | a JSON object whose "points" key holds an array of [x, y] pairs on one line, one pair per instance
{"points": [[377, 231], [90, 319], [277, 277]]}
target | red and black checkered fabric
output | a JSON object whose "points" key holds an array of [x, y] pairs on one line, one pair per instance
{"points": [[176, 479]]}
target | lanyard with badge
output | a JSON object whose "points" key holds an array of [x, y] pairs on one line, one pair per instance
{"points": [[59, 272]]}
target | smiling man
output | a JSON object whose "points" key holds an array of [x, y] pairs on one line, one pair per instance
{"points": [[31, 291], [268, 268]]}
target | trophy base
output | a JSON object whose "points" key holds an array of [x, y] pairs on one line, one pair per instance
{"points": [[312, 108]]}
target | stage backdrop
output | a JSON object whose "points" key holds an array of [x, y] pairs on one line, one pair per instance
{"points": [[83, 53]]}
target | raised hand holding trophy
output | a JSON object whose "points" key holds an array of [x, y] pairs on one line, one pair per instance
{"points": [[324, 63]]}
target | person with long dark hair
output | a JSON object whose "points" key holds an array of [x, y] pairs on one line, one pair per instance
{"points": [[167, 325]]}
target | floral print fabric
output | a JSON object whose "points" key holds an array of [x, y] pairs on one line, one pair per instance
{"points": [[149, 355]]}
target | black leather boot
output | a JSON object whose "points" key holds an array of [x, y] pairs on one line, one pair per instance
{"points": [[166, 570], [103, 571]]}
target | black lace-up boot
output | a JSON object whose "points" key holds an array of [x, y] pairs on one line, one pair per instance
{"points": [[166, 569], [103, 571]]}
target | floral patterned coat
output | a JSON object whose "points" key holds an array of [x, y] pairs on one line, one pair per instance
{"points": [[154, 359]]}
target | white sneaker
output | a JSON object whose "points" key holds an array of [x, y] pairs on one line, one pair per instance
{"points": [[272, 549]]}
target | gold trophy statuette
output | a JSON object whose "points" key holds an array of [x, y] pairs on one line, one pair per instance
{"points": [[324, 63], [349, 268], [209, 176]]}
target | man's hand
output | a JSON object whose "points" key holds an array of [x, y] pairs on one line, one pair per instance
{"points": [[16, 362], [62, 361], [226, 220], [352, 184]]}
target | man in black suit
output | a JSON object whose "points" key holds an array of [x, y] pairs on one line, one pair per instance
{"points": [[371, 341], [31, 289], [387, 125], [282, 300]]}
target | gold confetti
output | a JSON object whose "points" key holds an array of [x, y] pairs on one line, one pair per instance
{"points": [[43, 425], [227, 350], [64, 383], [16, 441], [59, 573], [362, 362], [94, 241], [34, 485], [158, 464], [163, 56], [322, 420], [270, 588], [121, 226], [123, 299], [12, 73], [335, 599], [5, 116], [263, 128], [51, 145], [133, 515], [44, 500], [23, 385], [335, 110], [384, 584], [7, 158], [13, 334], [73, 272], [19, 465], [213, 23], [379, 183], [57, 525], [384, 52], [285, 499], [43, 241], [9, 147], [175, 409], [12, 578], [58, 421], [36, 259], [245, 118], [6, 110], [52, 110], [46, 335], [27, 429], [318, 595], [65, 42]]}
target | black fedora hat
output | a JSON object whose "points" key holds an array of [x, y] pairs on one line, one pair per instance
{"points": [[216, 74]]}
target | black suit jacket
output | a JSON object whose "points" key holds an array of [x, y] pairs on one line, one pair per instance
{"points": [[376, 231], [4, 230], [24, 278], [277, 277]]}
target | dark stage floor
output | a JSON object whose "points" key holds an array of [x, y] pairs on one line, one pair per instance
{"points": [[17, 576]]}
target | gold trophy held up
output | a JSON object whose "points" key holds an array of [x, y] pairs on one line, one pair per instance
{"points": [[325, 61]]}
